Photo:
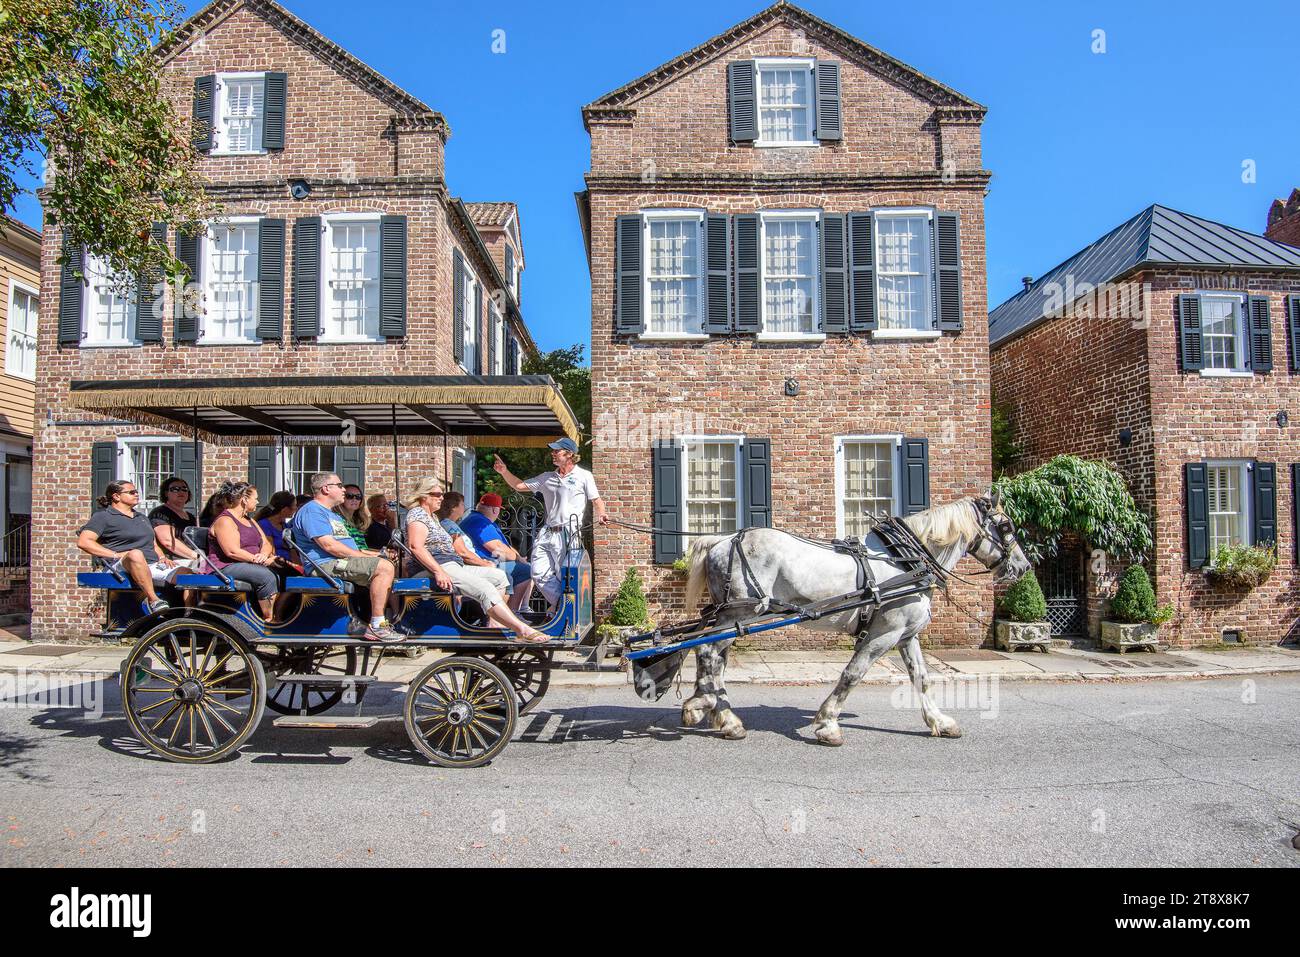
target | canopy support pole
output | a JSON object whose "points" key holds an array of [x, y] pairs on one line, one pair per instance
{"points": [[446, 461], [397, 474], [198, 473]]}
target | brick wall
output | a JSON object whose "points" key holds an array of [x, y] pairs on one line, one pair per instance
{"points": [[1284, 220]]}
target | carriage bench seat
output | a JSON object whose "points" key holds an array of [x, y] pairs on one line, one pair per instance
{"points": [[417, 586], [105, 580], [314, 585], [210, 583]]}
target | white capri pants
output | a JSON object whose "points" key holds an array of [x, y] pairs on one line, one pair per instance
{"points": [[483, 583]]}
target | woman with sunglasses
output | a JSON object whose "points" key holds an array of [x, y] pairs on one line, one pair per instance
{"points": [[353, 512], [170, 519]]}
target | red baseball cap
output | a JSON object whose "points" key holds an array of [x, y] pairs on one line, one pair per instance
{"points": [[491, 499]]}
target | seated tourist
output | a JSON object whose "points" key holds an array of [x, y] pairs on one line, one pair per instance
{"points": [[238, 546], [321, 535], [490, 542], [434, 556], [353, 512], [382, 522], [273, 516], [170, 520], [120, 536], [449, 513]]}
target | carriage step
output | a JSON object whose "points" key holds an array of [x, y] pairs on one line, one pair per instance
{"points": [[332, 681], [321, 723]]}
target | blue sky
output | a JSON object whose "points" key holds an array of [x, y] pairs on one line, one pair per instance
{"points": [[1077, 141]]}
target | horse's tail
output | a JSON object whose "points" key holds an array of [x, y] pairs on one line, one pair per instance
{"points": [[698, 577]]}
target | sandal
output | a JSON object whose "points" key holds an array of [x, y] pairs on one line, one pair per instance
{"points": [[532, 638]]}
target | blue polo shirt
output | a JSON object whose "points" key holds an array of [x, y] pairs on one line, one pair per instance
{"points": [[481, 531]]}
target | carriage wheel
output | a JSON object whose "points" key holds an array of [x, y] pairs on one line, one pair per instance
{"points": [[192, 691], [314, 660], [460, 712], [529, 670]]}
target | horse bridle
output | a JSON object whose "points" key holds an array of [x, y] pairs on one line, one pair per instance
{"points": [[1005, 529]]}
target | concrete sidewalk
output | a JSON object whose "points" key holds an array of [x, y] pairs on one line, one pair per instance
{"points": [[794, 667]]}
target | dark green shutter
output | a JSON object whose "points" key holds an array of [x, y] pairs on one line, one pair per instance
{"points": [[149, 294], [270, 278], [512, 355], [261, 471], [510, 268], [458, 306], [628, 308], [103, 469], [1295, 514], [1189, 337], [187, 307], [742, 103], [491, 367], [1259, 327], [747, 279], [914, 474], [72, 290], [1293, 330], [835, 285], [947, 271], [477, 319], [758, 482], [189, 468], [392, 275], [667, 472], [274, 100], [862, 273], [717, 281], [350, 464], [205, 96], [829, 123], [1196, 481], [1265, 495], [305, 311]]}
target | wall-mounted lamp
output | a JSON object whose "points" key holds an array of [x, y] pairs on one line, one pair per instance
{"points": [[1282, 419], [792, 387], [1125, 438]]}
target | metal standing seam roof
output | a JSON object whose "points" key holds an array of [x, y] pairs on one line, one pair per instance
{"points": [[1156, 236]]}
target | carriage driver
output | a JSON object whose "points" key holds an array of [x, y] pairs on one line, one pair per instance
{"points": [[566, 492]]}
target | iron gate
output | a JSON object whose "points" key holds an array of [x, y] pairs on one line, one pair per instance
{"points": [[1061, 578]]}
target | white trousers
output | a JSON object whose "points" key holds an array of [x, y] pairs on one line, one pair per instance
{"points": [[547, 560]]}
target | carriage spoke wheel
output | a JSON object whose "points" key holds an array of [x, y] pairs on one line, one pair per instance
{"points": [[460, 712], [529, 670], [192, 691], [314, 660]]}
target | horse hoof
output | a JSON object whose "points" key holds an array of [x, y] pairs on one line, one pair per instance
{"points": [[729, 725], [692, 716], [950, 731], [830, 737]]}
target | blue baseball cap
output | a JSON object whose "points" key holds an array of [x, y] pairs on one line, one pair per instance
{"points": [[567, 444]]}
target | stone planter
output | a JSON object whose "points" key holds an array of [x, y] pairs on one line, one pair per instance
{"points": [[1122, 637], [1013, 635]]}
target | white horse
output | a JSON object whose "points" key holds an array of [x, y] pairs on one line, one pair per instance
{"points": [[790, 569]]}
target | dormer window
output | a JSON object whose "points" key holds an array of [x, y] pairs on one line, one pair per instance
{"points": [[241, 102], [785, 111]]}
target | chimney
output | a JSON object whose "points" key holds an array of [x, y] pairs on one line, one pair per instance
{"points": [[1028, 281], [1284, 220]]}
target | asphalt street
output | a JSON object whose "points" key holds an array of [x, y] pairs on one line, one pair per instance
{"points": [[1140, 773]]}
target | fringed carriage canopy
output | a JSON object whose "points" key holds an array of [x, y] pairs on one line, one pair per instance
{"points": [[522, 411]]}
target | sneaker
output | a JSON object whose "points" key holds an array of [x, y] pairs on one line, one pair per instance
{"points": [[157, 605], [384, 634], [356, 628]]}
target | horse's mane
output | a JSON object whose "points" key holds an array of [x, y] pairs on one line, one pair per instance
{"points": [[942, 525]]}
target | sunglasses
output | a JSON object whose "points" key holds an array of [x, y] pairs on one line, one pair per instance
{"points": [[179, 488], [353, 498], [128, 491]]}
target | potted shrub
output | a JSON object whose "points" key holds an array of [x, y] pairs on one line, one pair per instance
{"points": [[629, 614], [1242, 566], [1134, 618], [1023, 622]]}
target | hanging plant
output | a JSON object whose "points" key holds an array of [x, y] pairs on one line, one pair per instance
{"points": [[1070, 494]]}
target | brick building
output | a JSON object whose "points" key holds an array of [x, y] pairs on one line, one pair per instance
{"points": [[1170, 348], [1284, 220], [342, 253], [785, 233]]}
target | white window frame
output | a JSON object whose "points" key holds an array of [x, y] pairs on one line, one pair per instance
{"points": [[470, 333], [220, 116], [765, 216], [124, 470], [841, 483], [328, 222], [284, 465], [930, 331], [89, 299], [1242, 368], [785, 63], [205, 283], [1245, 479], [15, 286], [463, 462], [647, 216], [684, 442]]}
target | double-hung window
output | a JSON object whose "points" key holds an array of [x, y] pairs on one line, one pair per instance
{"points": [[711, 492], [20, 350], [496, 328], [351, 279], [1229, 511], [147, 462], [1223, 333], [241, 113], [789, 269], [673, 272], [229, 269], [469, 328], [904, 276], [109, 313], [300, 462], [785, 102], [866, 483]]}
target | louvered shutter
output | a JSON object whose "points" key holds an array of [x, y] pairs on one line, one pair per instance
{"points": [[757, 456], [1259, 327], [510, 267], [458, 306], [492, 321], [261, 471], [392, 275], [205, 101], [274, 101], [270, 279], [835, 286], [350, 464], [747, 272], [1295, 513], [829, 122], [717, 282], [862, 272], [666, 464], [1264, 488], [72, 290], [742, 103], [628, 314], [103, 469], [914, 475], [1196, 483], [478, 328], [189, 303], [1293, 330], [947, 271], [1189, 337], [189, 467], [305, 311], [149, 290]]}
